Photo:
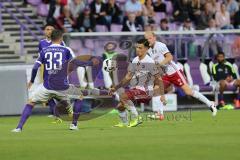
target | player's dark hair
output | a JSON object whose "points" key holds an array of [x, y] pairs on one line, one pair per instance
{"points": [[220, 53], [48, 24], [144, 42], [56, 35]]}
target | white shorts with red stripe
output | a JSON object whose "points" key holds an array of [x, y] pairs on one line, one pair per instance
{"points": [[178, 79]]}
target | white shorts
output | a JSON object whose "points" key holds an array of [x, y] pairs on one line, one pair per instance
{"points": [[42, 94]]}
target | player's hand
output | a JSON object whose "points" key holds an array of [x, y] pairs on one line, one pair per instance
{"points": [[111, 91], [163, 99], [95, 61], [29, 85]]}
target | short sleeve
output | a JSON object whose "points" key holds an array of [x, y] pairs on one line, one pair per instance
{"points": [[69, 54], [163, 49], [131, 68]]}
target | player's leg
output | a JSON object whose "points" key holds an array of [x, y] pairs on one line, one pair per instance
{"points": [[179, 80], [157, 104], [157, 107], [222, 87], [27, 111], [107, 78], [127, 98], [237, 100], [123, 115], [39, 95], [89, 76], [52, 105], [76, 113], [81, 76], [188, 91]]}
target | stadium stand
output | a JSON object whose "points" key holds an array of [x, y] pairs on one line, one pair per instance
{"points": [[14, 15]]}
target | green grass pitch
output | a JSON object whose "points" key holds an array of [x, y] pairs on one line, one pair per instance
{"points": [[201, 137]]}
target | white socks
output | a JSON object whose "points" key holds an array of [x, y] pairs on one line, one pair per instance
{"points": [[201, 98], [132, 109], [107, 78], [81, 77], [157, 105], [124, 116]]}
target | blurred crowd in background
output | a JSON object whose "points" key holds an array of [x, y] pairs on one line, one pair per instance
{"points": [[142, 15]]}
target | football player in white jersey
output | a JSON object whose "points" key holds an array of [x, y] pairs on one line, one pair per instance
{"points": [[143, 76], [172, 73]]}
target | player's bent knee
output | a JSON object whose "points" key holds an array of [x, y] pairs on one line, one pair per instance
{"points": [[124, 97], [30, 102], [120, 107]]}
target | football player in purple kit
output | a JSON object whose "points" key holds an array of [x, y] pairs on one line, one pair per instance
{"points": [[56, 60], [44, 43]]}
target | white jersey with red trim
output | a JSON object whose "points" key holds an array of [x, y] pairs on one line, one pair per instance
{"points": [[143, 73], [157, 54]]}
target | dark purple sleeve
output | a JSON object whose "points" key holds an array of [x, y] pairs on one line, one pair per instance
{"points": [[34, 71], [39, 47]]}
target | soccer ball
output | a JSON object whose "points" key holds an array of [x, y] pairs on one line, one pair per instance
{"points": [[109, 65]]}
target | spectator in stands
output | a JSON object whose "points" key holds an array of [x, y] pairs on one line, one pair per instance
{"points": [[213, 43], [131, 24], [186, 26], [236, 19], [214, 5], [113, 13], [181, 10], [99, 11], [205, 16], [65, 21], [223, 18], [195, 11], [76, 7], [148, 13], [149, 28], [134, 6], [224, 73], [55, 10], [164, 26], [160, 6], [232, 7], [109, 53], [86, 22]]}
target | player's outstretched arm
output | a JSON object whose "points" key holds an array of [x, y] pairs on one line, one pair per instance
{"points": [[123, 82]]}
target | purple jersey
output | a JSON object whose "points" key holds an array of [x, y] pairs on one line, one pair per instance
{"points": [[55, 60], [44, 43]]}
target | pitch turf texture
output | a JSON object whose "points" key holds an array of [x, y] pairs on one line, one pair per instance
{"points": [[201, 137]]}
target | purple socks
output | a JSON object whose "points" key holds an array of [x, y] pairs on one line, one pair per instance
{"points": [[25, 114], [52, 105], [76, 111]]}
